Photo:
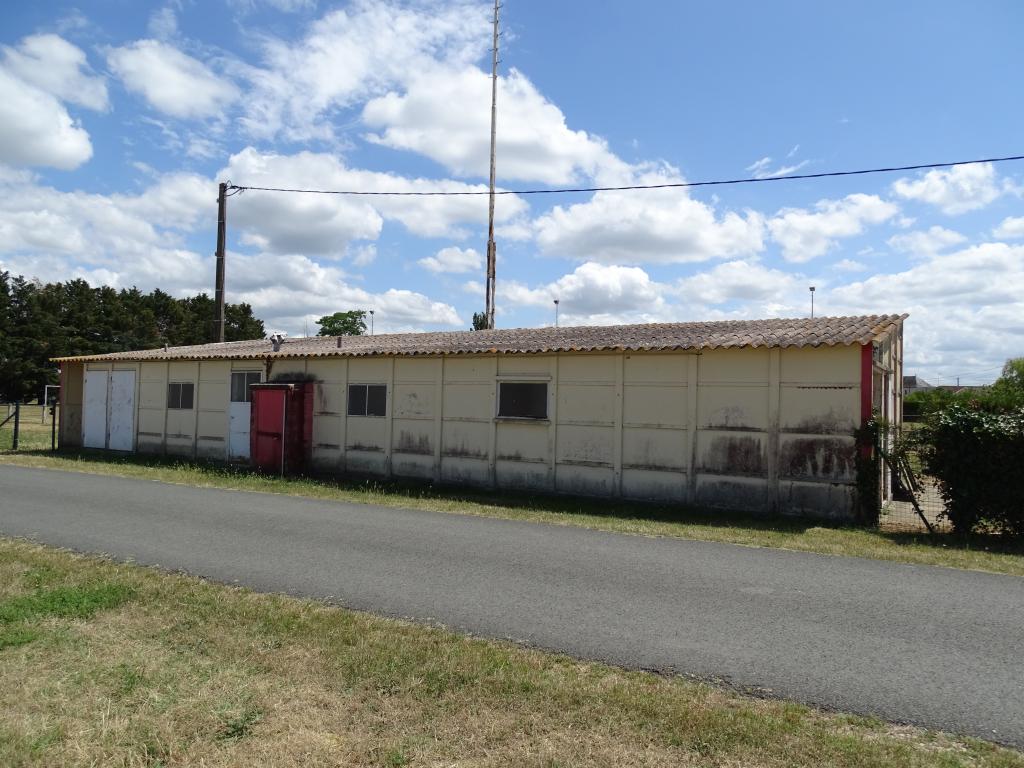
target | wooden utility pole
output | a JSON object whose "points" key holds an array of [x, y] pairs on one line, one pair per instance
{"points": [[491, 248], [222, 204]]}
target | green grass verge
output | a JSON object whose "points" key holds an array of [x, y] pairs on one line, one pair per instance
{"points": [[987, 553], [132, 666], [33, 431]]}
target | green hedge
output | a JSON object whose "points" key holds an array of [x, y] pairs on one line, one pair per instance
{"points": [[978, 459]]}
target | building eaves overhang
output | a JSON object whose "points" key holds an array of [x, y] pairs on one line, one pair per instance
{"points": [[648, 337]]}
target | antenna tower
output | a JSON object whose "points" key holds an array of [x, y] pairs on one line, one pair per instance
{"points": [[491, 248]]}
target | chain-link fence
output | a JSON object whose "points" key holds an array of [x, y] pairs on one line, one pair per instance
{"points": [[32, 427], [914, 502]]}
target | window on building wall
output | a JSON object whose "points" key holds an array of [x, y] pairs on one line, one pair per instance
{"points": [[522, 400], [180, 395], [240, 382], [367, 399]]}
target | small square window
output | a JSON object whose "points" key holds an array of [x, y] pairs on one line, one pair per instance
{"points": [[180, 395], [367, 400], [240, 383], [521, 400]]}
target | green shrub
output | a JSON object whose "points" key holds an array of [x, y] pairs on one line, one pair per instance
{"points": [[977, 456]]}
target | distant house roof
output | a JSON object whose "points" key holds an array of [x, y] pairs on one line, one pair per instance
{"points": [[916, 382], [802, 332]]}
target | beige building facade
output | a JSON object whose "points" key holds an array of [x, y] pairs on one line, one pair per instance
{"points": [[752, 416]]}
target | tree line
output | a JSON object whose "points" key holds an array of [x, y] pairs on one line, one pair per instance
{"points": [[39, 321]]}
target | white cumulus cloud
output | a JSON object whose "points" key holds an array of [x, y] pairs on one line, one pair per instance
{"points": [[52, 64], [350, 55], [806, 234], [325, 224], [592, 294], [743, 281], [966, 310], [1010, 228], [926, 242], [453, 260], [652, 226], [36, 129], [171, 81], [445, 115], [957, 190]]}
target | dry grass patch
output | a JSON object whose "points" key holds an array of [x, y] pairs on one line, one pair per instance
{"points": [[978, 552], [133, 667]]}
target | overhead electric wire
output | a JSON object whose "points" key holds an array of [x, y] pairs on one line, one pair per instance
{"points": [[628, 187]]}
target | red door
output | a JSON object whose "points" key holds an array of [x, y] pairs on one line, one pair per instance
{"points": [[268, 426]]}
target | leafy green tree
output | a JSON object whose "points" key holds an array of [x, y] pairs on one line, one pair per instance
{"points": [[39, 322], [351, 323], [1013, 374], [479, 322], [240, 324], [1007, 392]]}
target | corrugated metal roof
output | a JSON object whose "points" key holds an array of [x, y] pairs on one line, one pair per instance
{"points": [[800, 332]]}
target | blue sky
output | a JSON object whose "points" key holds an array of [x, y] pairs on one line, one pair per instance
{"points": [[118, 118]]}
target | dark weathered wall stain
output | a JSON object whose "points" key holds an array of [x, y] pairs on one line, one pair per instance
{"points": [[817, 458], [830, 423], [734, 455], [462, 451], [364, 447], [410, 443], [730, 417]]}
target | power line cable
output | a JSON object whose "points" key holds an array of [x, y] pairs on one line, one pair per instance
{"points": [[973, 373], [629, 187]]}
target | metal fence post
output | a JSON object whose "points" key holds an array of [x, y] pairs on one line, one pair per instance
{"points": [[17, 420]]}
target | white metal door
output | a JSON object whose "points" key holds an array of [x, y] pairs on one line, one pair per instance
{"points": [[94, 410], [239, 410], [238, 439], [121, 411]]}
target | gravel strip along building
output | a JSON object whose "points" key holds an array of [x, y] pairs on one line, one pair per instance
{"points": [[752, 415]]}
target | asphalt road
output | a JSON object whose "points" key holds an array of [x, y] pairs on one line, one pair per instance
{"points": [[931, 646]]}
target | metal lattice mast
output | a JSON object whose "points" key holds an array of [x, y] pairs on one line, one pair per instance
{"points": [[491, 248]]}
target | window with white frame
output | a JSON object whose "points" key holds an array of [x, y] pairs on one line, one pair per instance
{"points": [[240, 383], [367, 399]]}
